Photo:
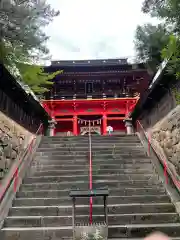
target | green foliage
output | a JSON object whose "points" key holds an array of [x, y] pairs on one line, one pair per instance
{"points": [[153, 7], [157, 37], [149, 42], [35, 77], [171, 49], [23, 41], [172, 54], [176, 95], [167, 10], [22, 22]]}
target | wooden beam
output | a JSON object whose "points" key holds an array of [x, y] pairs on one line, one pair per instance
{"points": [[115, 118], [91, 100], [63, 119]]}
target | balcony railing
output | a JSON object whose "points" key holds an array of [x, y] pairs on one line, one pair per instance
{"points": [[91, 96]]}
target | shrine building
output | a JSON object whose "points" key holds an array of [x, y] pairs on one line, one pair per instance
{"points": [[102, 92]]}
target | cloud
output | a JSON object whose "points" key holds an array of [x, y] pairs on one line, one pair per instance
{"points": [[88, 29]]}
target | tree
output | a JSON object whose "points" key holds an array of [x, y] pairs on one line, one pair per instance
{"points": [[167, 10], [154, 7], [22, 39], [149, 42], [35, 77], [22, 22], [172, 53]]}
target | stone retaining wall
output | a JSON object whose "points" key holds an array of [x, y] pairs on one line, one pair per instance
{"points": [[152, 116], [13, 140], [166, 133]]}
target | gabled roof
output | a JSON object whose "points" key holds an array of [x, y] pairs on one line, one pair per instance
{"points": [[91, 62], [95, 66]]}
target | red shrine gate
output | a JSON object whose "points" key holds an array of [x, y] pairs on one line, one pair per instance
{"points": [[73, 115]]}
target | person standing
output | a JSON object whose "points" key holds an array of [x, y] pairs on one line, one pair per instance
{"points": [[109, 130]]}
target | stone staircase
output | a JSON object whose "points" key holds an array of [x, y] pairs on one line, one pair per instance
{"points": [[138, 203]]}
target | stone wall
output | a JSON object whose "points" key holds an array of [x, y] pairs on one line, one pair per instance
{"points": [[163, 124], [150, 117], [13, 140], [166, 134]]}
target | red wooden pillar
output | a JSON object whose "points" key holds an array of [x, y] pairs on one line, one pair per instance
{"points": [[127, 108], [75, 126], [104, 124]]}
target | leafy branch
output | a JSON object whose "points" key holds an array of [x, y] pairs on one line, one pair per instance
{"points": [[23, 40], [172, 54]]}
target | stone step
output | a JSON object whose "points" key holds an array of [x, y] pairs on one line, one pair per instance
{"points": [[58, 210], [138, 203], [97, 137], [120, 177], [99, 142], [73, 172], [83, 145], [51, 166], [85, 185], [99, 153], [108, 165], [112, 191], [56, 221], [94, 148], [86, 139], [63, 151], [77, 138], [142, 230], [114, 231], [95, 159], [111, 200], [93, 136]]}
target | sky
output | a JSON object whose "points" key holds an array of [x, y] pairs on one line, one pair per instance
{"points": [[94, 29]]}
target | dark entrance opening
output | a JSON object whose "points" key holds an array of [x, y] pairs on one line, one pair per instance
{"points": [[89, 88]]}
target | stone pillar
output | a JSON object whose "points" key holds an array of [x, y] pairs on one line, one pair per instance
{"points": [[52, 126], [129, 126], [104, 132], [75, 126]]}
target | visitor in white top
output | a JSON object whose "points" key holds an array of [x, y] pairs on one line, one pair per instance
{"points": [[109, 129]]}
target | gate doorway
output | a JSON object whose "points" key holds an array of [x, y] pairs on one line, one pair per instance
{"points": [[89, 88]]}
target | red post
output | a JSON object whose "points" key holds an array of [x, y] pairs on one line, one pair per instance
{"points": [[90, 173], [127, 108], [104, 124], [75, 130], [149, 144], [15, 179], [165, 172]]}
